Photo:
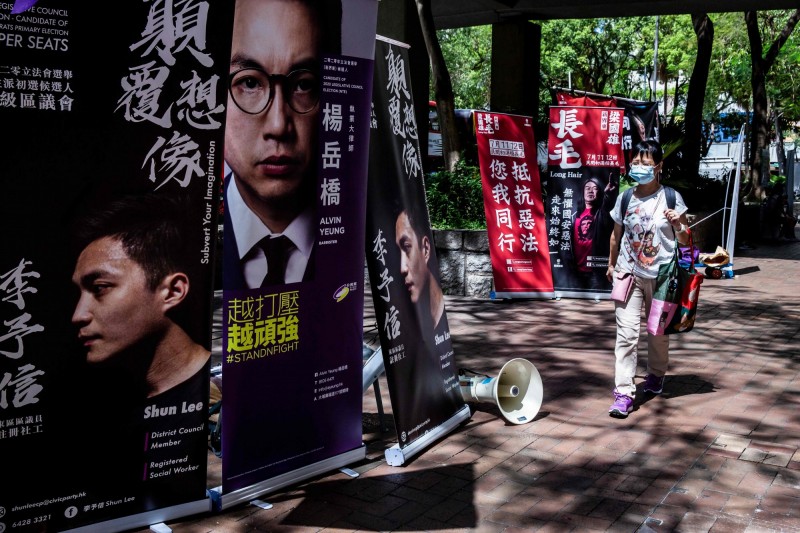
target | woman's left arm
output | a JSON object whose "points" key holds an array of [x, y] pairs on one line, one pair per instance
{"points": [[679, 223]]}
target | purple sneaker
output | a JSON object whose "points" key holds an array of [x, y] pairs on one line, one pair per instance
{"points": [[653, 384], [623, 404]]}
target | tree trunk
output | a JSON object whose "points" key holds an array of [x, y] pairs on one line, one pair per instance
{"points": [[760, 65], [442, 87], [693, 135], [780, 152]]}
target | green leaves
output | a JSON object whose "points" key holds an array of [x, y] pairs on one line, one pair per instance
{"points": [[455, 199]]}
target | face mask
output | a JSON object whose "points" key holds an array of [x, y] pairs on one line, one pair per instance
{"points": [[642, 174]]}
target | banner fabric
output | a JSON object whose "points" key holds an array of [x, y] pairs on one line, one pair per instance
{"points": [[401, 260], [512, 199]]}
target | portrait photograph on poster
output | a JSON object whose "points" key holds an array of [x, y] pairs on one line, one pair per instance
{"points": [[107, 270]]}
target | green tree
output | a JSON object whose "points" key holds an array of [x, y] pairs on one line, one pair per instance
{"points": [[776, 27], [704, 29], [468, 54], [442, 86], [677, 51], [603, 56]]}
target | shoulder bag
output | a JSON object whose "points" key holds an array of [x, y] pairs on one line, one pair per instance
{"points": [[675, 296]]}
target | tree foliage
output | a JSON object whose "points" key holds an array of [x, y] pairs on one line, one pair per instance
{"points": [[442, 86], [468, 54], [773, 31], [615, 56], [605, 56], [455, 197]]}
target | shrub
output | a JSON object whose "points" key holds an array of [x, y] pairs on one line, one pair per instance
{"points": [[455, 199]]}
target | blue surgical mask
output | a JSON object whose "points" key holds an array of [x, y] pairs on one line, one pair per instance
{"points": [[642, 174]]}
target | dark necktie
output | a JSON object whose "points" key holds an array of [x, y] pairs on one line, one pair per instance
{"points": [[276, 249]]}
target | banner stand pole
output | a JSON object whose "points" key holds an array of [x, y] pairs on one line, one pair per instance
{"points": [[397, 456], [222, 501]]}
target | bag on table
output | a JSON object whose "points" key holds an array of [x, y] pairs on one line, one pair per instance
{"points": [[675, 297]]}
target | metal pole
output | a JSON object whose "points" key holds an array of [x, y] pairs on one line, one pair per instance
{"points": [[655, 64]]}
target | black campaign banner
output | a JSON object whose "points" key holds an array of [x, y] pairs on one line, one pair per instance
{"points": [[113, 145], [584, 162], [401, 259]]}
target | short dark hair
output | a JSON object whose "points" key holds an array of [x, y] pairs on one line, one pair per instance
{"points": [[151, 228], [417, 216], [580, 203], [652, 148]]}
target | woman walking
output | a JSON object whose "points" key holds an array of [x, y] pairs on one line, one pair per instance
{"points": [[644, 238]]}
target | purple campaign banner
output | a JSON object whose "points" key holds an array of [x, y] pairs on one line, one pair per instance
{"points": [[113, 141], [292, 347]]}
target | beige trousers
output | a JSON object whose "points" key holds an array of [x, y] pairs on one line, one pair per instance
{"points": [[629, 325]]}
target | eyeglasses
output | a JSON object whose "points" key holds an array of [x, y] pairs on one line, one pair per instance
{"points": [[252, 89]]}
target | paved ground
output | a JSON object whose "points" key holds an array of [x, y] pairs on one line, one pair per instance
{"points": [[718, 451]]}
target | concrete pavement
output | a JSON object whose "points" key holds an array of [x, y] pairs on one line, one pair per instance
{"points": [[717, 451]]}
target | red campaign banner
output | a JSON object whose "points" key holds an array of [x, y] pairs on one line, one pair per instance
{"points": [[584, 162], [640, 121], [512, 198], [567, 99], [585, 137]]}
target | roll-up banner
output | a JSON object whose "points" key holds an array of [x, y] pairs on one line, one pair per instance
{"points": [[640, 121], [296, 149], [113, 121], [512, 199], [584, 162], [402, 263]]}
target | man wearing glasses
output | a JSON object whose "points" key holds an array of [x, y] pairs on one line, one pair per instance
{"points": [[271, 150]]}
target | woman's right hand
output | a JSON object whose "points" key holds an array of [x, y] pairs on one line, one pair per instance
{"points": [[610, 273]]}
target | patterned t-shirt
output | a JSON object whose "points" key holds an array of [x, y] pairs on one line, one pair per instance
{"points": [[648, 239]]}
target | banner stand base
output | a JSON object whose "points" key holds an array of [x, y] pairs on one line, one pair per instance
{"points": [[149, 518], [262, 504], [222, 501], [397, 456], [585, 295], [532, 295]]}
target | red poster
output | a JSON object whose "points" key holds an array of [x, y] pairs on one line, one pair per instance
{"points": [[569, 99], [640, 120], [512, 198], [585, 137]]}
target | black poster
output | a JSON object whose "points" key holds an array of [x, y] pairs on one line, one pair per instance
{"points": [[113, 119], [401, 259]]}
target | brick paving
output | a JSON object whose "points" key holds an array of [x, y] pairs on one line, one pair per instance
{"points": [[717, 451]]}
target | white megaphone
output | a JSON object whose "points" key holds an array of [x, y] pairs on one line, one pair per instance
{"points": [[517, 391]]}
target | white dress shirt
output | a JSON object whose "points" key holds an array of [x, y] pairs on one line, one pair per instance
{"points": [[249, 231]]}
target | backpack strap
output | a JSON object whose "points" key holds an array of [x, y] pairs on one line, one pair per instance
{"points": [[670, 192], [626, 199]]}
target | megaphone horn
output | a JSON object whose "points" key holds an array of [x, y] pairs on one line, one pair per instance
{"points": [[517, 390]]}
